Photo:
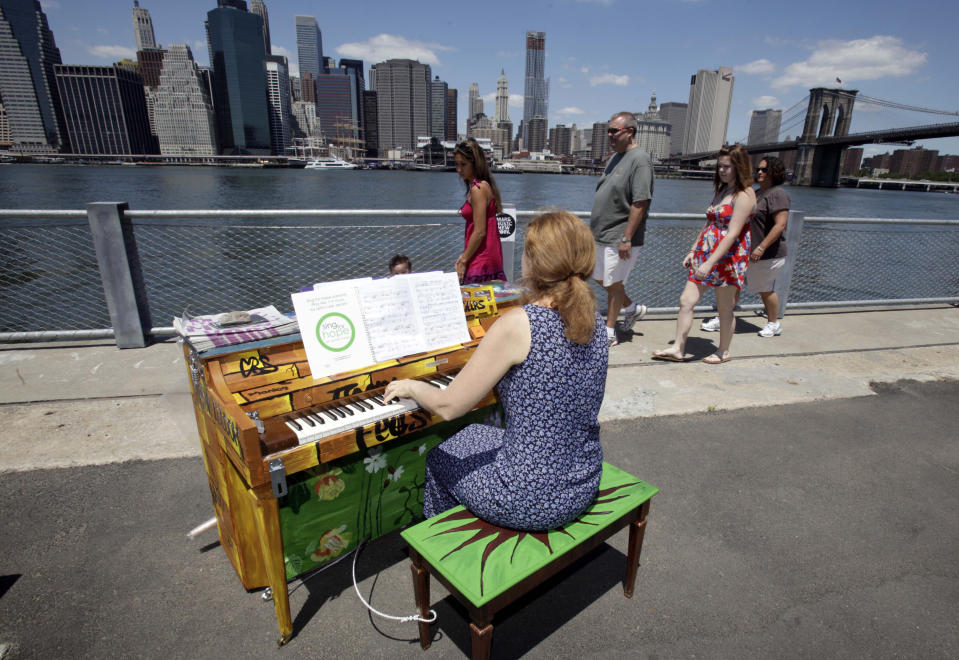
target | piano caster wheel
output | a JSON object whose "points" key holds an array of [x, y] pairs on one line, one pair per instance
{"points": [[268, 596], [283, 639]]}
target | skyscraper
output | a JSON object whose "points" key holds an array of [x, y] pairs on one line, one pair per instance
{"points": [[536, 91], [182, 108], [143, 28], [452, 98], [764, 126], [104, 109], [278, 93], [28, 87], [439, 99], [309, 46], [475, 102], [653, 132], [674, 114], [502, 98], [239, 80], [258, 7], [354, 71], [403, 103], [707, 117]]}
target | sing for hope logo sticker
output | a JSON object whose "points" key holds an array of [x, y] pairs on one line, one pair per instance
{"points": [[335, 332]]}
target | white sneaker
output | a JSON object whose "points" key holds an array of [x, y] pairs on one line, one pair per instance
{"points": [[771, 329], [611, 335], [632, 314], [710, 325]]}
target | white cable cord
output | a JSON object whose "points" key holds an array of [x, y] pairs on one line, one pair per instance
{"points": [[415, 617]]}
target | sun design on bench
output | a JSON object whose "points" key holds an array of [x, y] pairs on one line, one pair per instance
{"points": [[501, 535]]}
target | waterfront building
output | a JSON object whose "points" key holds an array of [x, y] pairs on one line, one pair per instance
{"points": [[28, 87], [707, 117], [403, 103], [451, 112], [149, 63], [5, 140], [354, 69], [674, 114], [535, 134], [183, 109], [143, 28], [239, 81], [309, 45], [536, 90], [307, 88], [560, 140], [764, 126], [439, 92], [483, 128], [502, 98], [475, 103], [652, 132], [599, 142], [304, 124], [281, 111], [104, 109], [851, 161], [295, 94], [372, 134], [258, 7], [333, 104]]}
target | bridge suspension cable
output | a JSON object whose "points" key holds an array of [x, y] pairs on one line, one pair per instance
{"points": [[901, 106]]}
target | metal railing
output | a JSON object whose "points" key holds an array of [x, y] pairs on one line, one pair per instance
{"points": [[113, 272]]}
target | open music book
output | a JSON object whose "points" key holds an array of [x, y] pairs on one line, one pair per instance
{"points": [[358, 323]]}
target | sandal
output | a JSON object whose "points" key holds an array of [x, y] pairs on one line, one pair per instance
{"points": [[716, 358], [671, 357]]}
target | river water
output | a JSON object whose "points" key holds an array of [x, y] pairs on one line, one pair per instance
{"points": [[49, 279]]}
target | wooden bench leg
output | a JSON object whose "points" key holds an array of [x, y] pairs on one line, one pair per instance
{"points": [[421, 591], [482, 639], [637, 530]]}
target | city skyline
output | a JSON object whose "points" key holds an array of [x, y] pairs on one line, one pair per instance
{"points": [[886, 53]]}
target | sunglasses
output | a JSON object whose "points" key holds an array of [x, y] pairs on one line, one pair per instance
{"points": [[762, 169], [614, 131]]}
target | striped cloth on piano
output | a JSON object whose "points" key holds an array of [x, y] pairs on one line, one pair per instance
{"points": [[204, 332]]}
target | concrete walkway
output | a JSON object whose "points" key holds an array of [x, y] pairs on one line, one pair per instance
{"points": [[88, 403]]}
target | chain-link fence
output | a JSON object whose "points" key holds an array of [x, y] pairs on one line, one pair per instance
{"points": [[204, 262]]}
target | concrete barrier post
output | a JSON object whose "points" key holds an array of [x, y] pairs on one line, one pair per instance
{"points": [[794, 228], [120, 273]]}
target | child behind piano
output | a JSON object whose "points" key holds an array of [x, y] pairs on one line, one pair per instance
{"points": [[548, 361]]}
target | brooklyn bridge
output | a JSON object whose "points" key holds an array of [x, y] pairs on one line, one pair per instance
{"points": [[825, 134]]}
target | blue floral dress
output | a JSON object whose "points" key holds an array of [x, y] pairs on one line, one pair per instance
{"points": [[543, 469]]}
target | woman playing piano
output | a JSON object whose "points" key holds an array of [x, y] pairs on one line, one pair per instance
{"points": [[548, 360]]}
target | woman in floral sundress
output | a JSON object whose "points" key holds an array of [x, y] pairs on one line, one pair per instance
{"points": [[720, 255], [548, 362]]}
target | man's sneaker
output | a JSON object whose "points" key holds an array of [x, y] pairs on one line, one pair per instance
{"points": [[612, 336], [632, 314], [710, 325], [771, 330]]}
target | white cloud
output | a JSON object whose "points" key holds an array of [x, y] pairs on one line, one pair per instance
{"points": [[290, 59], [571, 110], [763, 102], [584, 69], [856, 60], [111, 52], [609, 79], [756, 67], [516, 100], [392, 46], [508, 53]]}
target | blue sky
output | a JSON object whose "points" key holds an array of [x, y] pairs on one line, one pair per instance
{"points": [[602, 56]]}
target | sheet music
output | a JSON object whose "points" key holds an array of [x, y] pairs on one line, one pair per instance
{"points": [[357, 323]]}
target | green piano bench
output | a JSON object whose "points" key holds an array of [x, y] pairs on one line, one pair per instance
{"points": [[487, 567]]}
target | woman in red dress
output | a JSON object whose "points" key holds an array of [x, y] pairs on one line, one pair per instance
{"points": [[482, 257], [720, 255]]}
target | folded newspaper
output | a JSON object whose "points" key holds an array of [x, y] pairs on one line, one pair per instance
{"points": [[216, 330]]}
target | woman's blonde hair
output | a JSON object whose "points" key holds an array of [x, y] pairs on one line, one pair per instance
{"points": [[560, 256], [473, 152]]}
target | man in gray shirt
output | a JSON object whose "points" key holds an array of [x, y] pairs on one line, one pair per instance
{"points": [[618, 220]]}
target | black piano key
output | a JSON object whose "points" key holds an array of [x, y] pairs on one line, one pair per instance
{"points": [[329, 413], [294, 423], [306, 418]]}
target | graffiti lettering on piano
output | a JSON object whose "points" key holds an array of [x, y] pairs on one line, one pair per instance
{"points": [[392, 427], [258, 365], [222, 419], [349, 389]]}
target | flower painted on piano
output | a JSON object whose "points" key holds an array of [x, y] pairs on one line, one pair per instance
{"points": [[395, 474], [329, 486], [332, 543], [422, 449], [376, 461]]}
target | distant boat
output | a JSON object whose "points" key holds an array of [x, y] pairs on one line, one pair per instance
{"points": [[331, 163]]}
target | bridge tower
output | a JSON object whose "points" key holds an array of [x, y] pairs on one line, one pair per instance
{"points": [[829, 115]]}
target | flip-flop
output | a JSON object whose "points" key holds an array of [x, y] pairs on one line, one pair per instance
{"points": [[715, 358], [660, 355]]}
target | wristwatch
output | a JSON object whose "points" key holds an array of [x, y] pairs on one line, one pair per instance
{"points": [[625, 239]]}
